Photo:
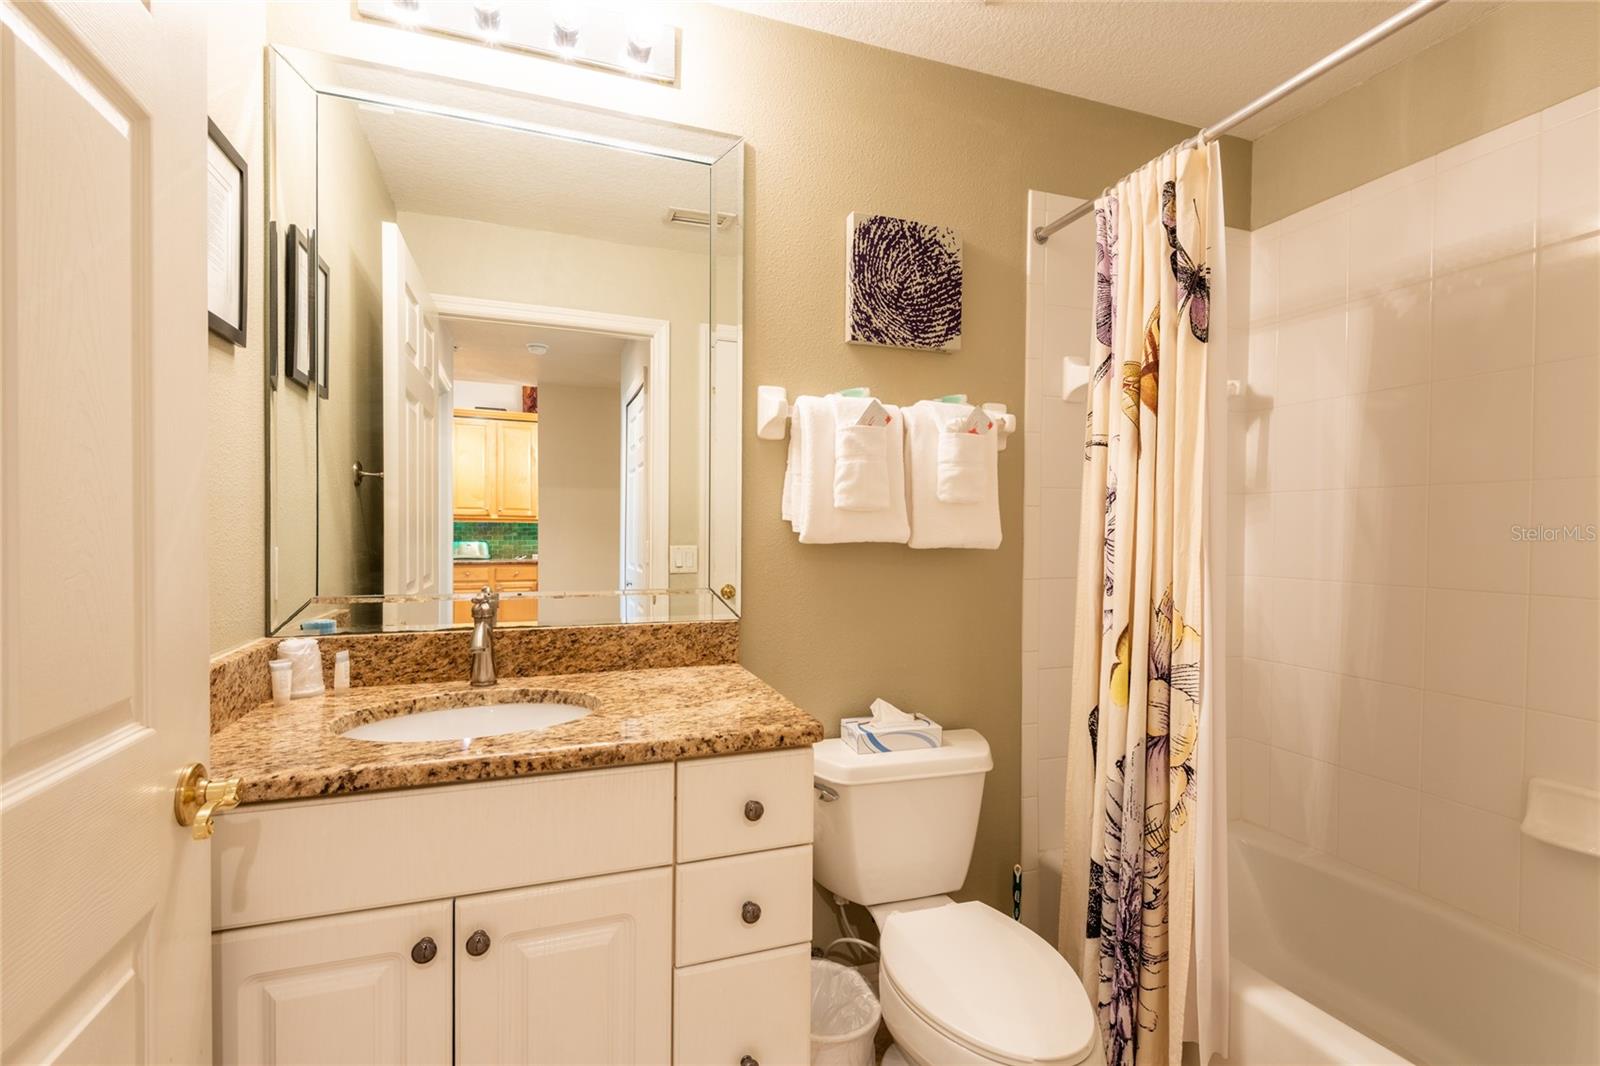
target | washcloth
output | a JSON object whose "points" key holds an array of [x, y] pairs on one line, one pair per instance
{"points": [[935, 523]]}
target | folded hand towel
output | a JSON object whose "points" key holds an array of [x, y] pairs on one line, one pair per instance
{"points": [[861, 466], [973, 519], [810, 481], [965, 459]]}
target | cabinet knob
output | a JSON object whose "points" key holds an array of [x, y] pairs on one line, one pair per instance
{"points": [[477, 943], [748, 1060], [753, 810], [423, 951], [750, 912]]}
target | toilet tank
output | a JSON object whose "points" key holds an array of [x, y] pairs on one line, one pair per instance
{"points": [[903, 823]]}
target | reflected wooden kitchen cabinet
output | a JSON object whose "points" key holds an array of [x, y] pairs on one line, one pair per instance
{"points": [[502, 577], [496, 464]]}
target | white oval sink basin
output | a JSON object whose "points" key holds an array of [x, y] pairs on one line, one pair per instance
{"points": [[467, 723]]}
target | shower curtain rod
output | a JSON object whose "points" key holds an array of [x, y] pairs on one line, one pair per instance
{"points": [[1395, 22]]}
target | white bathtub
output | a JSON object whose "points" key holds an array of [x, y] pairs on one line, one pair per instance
{"points": [[1340, 967]]}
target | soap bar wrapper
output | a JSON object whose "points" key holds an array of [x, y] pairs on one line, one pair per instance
{"points": [[866, 736]]}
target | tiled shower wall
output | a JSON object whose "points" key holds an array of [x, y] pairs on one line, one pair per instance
{"points": [[1060, 314], [1060, 302], [1414, 463]]}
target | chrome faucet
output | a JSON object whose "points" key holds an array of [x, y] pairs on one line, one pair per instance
{"points": [[485, 606]]}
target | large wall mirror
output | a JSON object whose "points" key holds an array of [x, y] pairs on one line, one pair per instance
{"points": [[505, 352]]}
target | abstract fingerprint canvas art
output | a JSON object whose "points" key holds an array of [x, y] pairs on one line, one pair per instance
{"points": [[902, 286]]}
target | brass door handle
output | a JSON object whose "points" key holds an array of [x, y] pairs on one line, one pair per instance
{"points": [[197, 800]]}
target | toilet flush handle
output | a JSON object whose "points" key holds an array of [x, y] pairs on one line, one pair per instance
{"points": [[825, 793]]}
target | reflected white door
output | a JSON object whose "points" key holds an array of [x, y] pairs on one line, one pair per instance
{"points": [[412, 427], [635, 544], [104, 898], [723, 465]]}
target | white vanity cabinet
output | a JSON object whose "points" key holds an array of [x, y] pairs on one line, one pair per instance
{"points": [[642, 914]]}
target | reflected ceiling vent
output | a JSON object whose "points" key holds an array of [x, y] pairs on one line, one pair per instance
{"points": [[684, 216]]}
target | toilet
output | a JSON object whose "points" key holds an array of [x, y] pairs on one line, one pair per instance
{"points": [[960, 983]]}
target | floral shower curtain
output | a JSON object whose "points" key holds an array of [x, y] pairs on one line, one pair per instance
{"points": [[1139, 694]]}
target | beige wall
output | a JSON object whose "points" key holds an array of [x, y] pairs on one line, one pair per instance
{"points": [[235, 410], [1519, 59], [833, 127], [580, 484], [352, 205]]}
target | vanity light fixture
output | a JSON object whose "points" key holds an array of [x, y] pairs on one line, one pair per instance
{"points": [[610, 37]]}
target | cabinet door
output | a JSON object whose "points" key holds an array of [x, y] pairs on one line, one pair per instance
{"points": [[473, 465], [517, 471], [578, 972], [346, 989]]}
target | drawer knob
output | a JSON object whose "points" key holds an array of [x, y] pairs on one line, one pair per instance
{"points": [[423, 951], [748, 1060], [477, 943], [750, 912], [753, 810]]}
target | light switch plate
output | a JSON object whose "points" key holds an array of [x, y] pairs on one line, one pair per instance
{"points": [[684, 558]]}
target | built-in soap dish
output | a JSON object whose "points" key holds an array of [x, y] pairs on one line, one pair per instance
{"points": [[1563, 816]]}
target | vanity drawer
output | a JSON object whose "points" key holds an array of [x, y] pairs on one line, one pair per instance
{"points": [[739, 803], [472, 578], [756, 1006], [742, 904], [509, 575], [299, 858]]}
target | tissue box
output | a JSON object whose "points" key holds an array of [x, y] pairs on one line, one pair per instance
{"points": [[865, 736]]}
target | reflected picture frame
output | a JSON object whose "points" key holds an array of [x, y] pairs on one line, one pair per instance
{"points": [[321, 293], [227, 238], [274, 302], [299, 349]]}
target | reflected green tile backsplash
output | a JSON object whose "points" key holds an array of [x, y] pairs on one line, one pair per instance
{"points": [[507, 540]]}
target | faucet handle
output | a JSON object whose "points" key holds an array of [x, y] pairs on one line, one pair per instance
{"points": [[485, 605]]}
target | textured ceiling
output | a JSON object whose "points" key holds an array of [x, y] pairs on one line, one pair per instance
{"points": [[1194, 61], [498, 352], [460, 169]]}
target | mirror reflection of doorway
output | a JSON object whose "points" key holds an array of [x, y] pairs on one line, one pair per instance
{"points": [[560, 498]]}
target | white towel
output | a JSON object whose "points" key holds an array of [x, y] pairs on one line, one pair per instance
{"points": [[861, 465], [809, 481], [965, 461], [934, 522]]}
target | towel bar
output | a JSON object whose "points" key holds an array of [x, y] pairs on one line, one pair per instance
{"points": [[773, 411]]}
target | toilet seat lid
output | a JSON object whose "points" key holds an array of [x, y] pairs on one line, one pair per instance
{"points": [[990, 983]]}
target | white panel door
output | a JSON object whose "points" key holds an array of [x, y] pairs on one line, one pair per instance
{"points": [[578, 972], [413, 531], [635, 489], [368, 987], [103, 644]]}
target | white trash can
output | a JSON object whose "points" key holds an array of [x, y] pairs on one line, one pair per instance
{"points": [[844, 1016]]}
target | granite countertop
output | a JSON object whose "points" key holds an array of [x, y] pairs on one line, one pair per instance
{"points": [[636, 716]]}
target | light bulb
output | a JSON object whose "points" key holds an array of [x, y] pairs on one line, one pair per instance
{"points": [[408, 12], [487, 13], [566, 22], [642, 35]]}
